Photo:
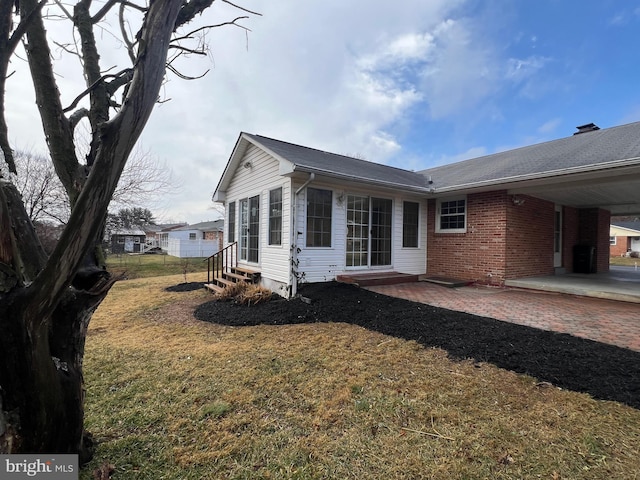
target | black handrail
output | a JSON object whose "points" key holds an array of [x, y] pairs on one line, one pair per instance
{"points": [[222, 261]]}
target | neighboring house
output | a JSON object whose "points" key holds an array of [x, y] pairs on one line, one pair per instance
{"points": [[128, 241], [304, 215], [624, 238], [197, 240], [161, 236]]}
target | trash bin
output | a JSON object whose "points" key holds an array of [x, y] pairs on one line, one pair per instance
{"points": [[584, 259]]}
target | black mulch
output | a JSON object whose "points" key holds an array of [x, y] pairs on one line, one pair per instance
{"points": [[604, 371], [185, 287]]}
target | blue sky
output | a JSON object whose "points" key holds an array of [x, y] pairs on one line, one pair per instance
{"points": [[405, 83]]}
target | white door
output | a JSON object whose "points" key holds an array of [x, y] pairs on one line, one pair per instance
{"points": [[557, 237]]}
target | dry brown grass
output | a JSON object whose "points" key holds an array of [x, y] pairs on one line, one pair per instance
{"points": [[245, 293], [170, 397]]}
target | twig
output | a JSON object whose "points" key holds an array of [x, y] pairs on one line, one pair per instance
{"points": [[436, 435]]}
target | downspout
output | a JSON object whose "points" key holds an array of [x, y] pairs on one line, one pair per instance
{"points": [[293, 279]]}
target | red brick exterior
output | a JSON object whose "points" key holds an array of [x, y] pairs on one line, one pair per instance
{"points": [[621, 247], [219, 236], [505, 240]]}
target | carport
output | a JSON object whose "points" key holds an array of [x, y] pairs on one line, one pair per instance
{"points": [[619, 283]]}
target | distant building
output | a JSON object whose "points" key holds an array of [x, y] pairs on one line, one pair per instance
{"points": [[624, 238], [128, 240], [198, 240]]}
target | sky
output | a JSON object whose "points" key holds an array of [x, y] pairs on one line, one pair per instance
{"points": [[404, 83]]}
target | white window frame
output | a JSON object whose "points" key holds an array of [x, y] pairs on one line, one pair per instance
{"points": [[439, 203], [613, 240], [306, 220]]}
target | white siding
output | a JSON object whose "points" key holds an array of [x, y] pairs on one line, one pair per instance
{"points": [[258, 178], [258, 173], [181, 248], [324, 264]]}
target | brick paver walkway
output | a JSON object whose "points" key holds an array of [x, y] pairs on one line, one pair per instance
{"points": [[607, 321]]}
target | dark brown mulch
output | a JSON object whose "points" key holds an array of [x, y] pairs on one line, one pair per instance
{"points": [[604, 371], [185, 287]]}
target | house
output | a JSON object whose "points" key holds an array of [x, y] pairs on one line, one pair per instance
{"points": [[160, 237], [296, 214], [197, 240], [624, 238], [128, 240]]}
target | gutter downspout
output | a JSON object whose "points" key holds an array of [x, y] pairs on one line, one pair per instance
{"points": [[293, 279]]}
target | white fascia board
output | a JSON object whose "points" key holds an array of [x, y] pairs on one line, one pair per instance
{"points": [[232, 164], [368, 181]]}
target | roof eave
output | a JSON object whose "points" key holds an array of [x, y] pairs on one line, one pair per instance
{"points": [[359, 179], [506, 182]]}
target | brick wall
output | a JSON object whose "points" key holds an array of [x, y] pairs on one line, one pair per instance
{"points": [[505, 241], [479, 254], [530, 238], [620, 248], [219, 236]]}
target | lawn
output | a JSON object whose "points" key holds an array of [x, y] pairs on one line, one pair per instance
{"points": [[625, 261], [143, 266], [170, 397]]}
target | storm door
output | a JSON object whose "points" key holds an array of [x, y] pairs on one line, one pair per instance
{"points": [[368, 231]]}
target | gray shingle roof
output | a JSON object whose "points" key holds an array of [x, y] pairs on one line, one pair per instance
{"points": [[587, 151], [629, 225], [309, 160]]}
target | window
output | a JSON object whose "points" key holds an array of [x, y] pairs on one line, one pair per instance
{"points": [[612, 240], [192, 236], [452, 215], [231, 235], [410, 224], [254, 228], [318, 217], [275, 217]]}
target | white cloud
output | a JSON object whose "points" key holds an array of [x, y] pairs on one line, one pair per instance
{"points": [[549, 126], [340, 76]]}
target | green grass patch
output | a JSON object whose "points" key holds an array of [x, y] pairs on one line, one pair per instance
{"points": [[144, 266]]}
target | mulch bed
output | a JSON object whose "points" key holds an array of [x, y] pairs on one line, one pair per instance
{"points": [[604, 371], [185, 287]]}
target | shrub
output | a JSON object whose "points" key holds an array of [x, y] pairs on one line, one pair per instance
{"points": [[245, 293], [634, 254]]}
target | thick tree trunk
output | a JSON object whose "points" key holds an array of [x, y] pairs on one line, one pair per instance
{"points": [[46, 303], [41, 382]]}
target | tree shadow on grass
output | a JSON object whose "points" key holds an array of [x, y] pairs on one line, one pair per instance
{"points": [[604, 371]]}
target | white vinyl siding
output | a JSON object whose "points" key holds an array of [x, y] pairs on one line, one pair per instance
{"points": [[324, 264], [259, 177]]}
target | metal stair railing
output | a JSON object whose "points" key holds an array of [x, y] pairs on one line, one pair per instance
{"points": [[222, 261]]}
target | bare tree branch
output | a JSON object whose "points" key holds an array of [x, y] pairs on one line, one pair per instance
{"points": [[125, 36], [241, 8], [9, 40], [95, 84]]}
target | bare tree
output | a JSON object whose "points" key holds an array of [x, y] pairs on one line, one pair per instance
{"points": [[46, 302], [144, 181]]}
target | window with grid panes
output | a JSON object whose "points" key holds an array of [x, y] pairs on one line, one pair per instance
{"points": [[275, 217], [319, 213], [452, 215]]}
